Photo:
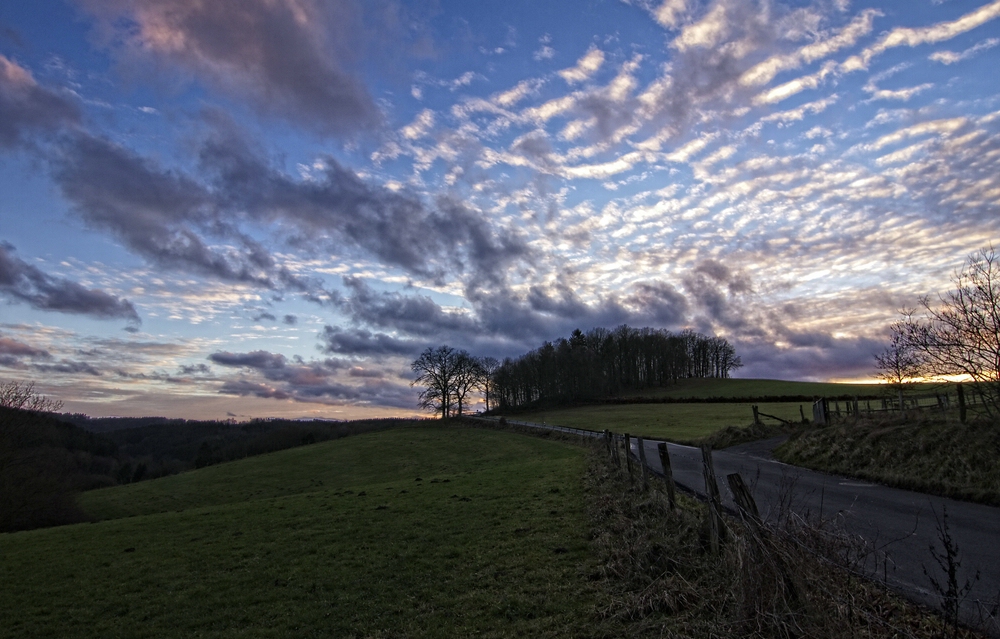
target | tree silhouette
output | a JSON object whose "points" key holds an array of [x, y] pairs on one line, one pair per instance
{"points": [[960, 333]]}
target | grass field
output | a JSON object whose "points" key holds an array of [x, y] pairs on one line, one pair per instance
{"points": [[420, 531], [676, 422], [744, 388]]}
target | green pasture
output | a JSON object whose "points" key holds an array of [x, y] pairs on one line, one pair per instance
{"points": [[421, 531], [745, 388], [677, 422]]}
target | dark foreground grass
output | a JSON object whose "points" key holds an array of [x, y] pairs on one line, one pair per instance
{"points": [[676, 422], [416, 532], [916, 452]]}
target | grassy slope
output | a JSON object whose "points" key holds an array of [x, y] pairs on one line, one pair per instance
{"points": [[335, 539], [682, 423], [742, 388], [928, 455]]}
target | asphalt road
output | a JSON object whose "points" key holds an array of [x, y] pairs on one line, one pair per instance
{"points": [[899, 525]]}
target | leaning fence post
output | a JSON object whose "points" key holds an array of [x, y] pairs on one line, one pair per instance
{"points": [[642, 460], [756, 417], [743, 498], [715, 523], [668, 475]]}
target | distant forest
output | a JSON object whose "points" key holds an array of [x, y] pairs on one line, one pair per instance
{"points": [[604, 363]]}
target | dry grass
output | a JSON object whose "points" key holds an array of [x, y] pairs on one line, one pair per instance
{"points": [[793, 579]]}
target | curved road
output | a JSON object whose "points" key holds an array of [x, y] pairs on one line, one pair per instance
{"points": [[900, 525]]}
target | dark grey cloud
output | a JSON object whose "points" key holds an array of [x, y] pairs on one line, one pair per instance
{"points": [[260, 317], [23, 282], [398, 228], [721, 294], [157, 213], [196, 369], [69, 366], [820, 358], [663, 304], [291, 320], [360, 342], [295, 59], [415, 314], [260, 360], [27, 107]]}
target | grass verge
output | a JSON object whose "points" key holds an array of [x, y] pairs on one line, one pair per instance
{"points": [[922, 453], [422, 531]]}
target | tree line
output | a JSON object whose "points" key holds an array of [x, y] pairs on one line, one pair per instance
{"points": [[599, 363]]}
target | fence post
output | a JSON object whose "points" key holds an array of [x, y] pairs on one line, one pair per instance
{"points": [[716, 528], [756, 417], [802, 414], [628, 455], [961, 403], [668, 475], [743, 498], [642, 461]]}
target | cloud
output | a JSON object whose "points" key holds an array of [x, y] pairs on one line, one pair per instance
{"points": [[14, 348], [670, 13], [175, 221], [290, 320], [414, 314], [763, 72], [397, 227], [24, 282], [364, 343], [261, 360], [950, 57], [290, 58], [25, 106], [309, 381], [585, 67], [706, 32], [912, 37], [156, 213]]}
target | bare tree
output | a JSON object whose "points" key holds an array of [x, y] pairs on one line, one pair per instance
{"points": [[468, 376], [22, 395], [899, 364], [960, 333], [436, 369], [488, 367]]}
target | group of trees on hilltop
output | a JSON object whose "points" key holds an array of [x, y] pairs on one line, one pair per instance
{"points": [[958, 335], [603, 363], [599, 363]]}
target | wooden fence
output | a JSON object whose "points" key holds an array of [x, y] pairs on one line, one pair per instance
{"points": [[825, 411]]}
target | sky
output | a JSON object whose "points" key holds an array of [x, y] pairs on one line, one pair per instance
{"points": [[249, 208]]}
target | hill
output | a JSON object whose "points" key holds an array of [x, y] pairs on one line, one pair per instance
{"points": [[421, 530]]}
